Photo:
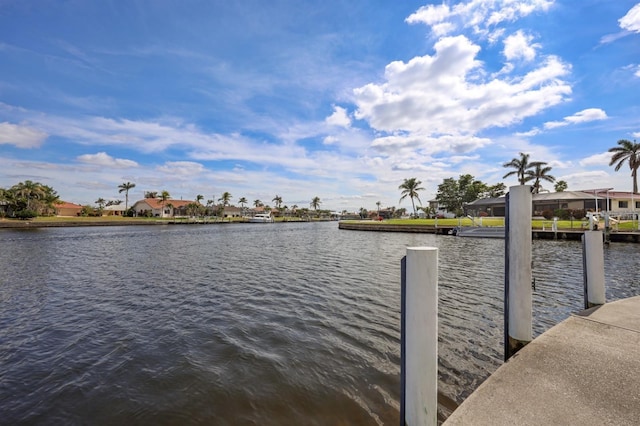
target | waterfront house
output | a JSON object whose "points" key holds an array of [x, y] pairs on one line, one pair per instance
{"points": [[616, 202], [114, 210], [154, 207], [64, 208]]}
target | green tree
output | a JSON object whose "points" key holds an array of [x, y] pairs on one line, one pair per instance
{"points": [[28, 198], [199, 198], [453, 194], [125, 187], [410, 188], [540, 171], [278, 201], [315, 203], [225, 198], [164, 196], [627, 152], [257, 203], [495, 191], [561, 186], [521, 165]]}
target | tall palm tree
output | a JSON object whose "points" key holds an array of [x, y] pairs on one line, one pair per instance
{"points": [[164, 196], [101, 202], [315, 203], [278, 201], [242, 201], [627, 152], [410, 188], [521, 165], [125, 187], [257, 203], [199, 198], [539, 172], [226, 198]]}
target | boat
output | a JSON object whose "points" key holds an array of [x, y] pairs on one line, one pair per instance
{"points": [[261, 218]]}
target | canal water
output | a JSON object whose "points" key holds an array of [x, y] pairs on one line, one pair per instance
{"points": [[265, 324]]}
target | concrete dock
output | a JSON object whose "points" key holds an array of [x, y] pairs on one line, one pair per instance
{"points": [[583, 371]]}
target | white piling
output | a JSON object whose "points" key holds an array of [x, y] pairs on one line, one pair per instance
{"points": [[593, 260], [421, 337], [519, 276]]}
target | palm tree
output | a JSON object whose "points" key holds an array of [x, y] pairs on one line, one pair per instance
{"points": [[164, 196], [257, 203], [627, 152], [226, 197], [278, 201], [539, 172], [100, 202], [410, 188], [378, 203], [561, 186], [199, 198], [315, 203], [125, 187], [521, 165]]}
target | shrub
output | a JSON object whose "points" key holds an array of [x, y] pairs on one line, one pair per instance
{"points": [[548, 214], [26, 214]]}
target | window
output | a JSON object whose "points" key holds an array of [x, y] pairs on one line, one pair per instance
{"points": [[623, 204], [637, 204]]}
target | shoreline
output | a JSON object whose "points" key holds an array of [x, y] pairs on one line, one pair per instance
{"points": [[536, 234]]}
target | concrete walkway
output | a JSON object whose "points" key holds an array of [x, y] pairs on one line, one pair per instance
{"points": [[584, 371]]}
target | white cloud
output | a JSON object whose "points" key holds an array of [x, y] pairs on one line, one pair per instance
{"points": [[21, 136], [181, 168], [601, 159], [631, 21], [479, 15], [584, 116], [443, 94], [519, 46], [339, 117], [104, 159]]}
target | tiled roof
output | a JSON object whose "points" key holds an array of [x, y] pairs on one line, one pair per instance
{"points": [[67, 205], [156, 203]]}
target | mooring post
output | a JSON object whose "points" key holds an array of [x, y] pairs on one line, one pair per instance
{"points": [[593, 267], [518, 276], [419, 341]]}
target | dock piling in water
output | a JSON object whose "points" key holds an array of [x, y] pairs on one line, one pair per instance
{"points": [[593, 265], [518, 295], [419, 346]]}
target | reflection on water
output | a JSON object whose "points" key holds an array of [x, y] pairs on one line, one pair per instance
{"points": [[250, 324]]}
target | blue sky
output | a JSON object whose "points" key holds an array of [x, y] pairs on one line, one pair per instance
{"points": [[341, 100]]}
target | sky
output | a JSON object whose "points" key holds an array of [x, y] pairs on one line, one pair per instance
{"points": [[340, 100]]}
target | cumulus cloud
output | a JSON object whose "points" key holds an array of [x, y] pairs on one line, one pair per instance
{"points": [[104, 159], [21, 136], [519, 46], [445, 94], [480, 16], [631, 21], [339, 117], [584, 116]]}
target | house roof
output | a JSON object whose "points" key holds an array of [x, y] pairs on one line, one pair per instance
{"points": [[156, 203], [67, 205]]}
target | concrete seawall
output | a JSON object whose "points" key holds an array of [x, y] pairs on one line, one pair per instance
{"points": [[564, 234], [583, 371]]}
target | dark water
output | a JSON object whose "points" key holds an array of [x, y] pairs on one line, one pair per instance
{"points": [[264, 324]]}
